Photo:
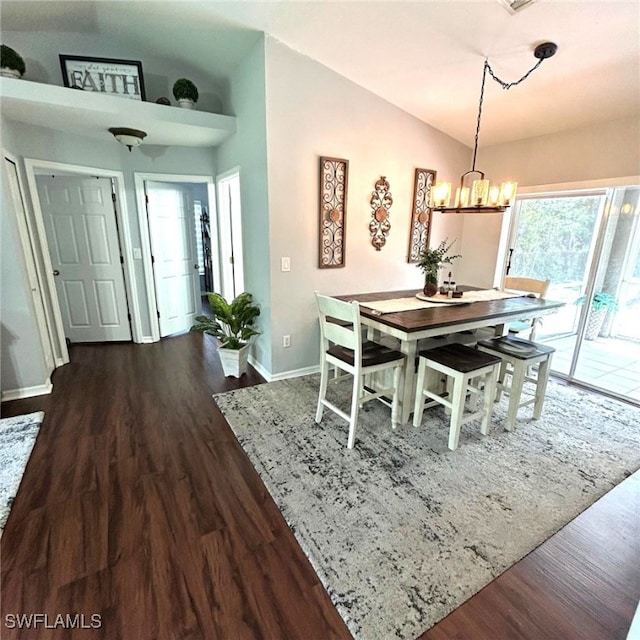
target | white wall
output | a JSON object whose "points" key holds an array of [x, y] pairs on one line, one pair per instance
{"points": [[247, 149], [313, 112], [607, 150]]}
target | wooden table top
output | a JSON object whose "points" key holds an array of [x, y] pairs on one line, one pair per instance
{"points": [[448, 314]]}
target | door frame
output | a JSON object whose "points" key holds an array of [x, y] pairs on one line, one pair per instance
{"points": [[231, 245], [53, 355], [145, 237], [35, 167]]}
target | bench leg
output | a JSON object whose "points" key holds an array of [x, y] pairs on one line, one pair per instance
{"points": [[457, 410], [515, 394], [489, 398], [541, 386]]}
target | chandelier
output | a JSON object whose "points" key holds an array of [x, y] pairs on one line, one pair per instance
{"points": [[479, 195]]}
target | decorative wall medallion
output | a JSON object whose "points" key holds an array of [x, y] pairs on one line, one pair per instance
{"points": [[334, 173], [381, 202], [421, 214]]}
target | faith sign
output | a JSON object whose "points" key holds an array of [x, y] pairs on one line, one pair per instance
{"points": [[104, 75]]}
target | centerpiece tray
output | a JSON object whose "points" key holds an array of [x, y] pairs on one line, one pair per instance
{"points": [[441, 298]]}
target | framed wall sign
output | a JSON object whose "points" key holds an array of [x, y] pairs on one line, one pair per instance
{"points": [[104, 75]]}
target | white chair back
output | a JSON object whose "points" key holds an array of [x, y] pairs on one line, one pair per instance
{"points": [[527, 285], [339, 322]]}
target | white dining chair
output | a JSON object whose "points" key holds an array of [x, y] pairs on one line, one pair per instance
{"points": [[529, 286], [341, 346]]}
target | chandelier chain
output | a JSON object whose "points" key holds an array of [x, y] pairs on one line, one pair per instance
{"points": [[508, 85], [504, 85]]}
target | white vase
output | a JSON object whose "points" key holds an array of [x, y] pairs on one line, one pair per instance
{"points": [[234, 361], [185, 103], [9, 73]]}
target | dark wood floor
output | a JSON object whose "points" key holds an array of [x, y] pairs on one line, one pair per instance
{"points": [[139, 505]]}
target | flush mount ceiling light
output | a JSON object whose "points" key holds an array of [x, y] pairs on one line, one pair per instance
{"points": [[480, 196], [513, 6], [128, 137]]}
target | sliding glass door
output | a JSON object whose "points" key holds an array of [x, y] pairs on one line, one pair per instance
{"points": [[588, 245]]}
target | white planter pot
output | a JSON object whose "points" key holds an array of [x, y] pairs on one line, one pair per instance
{"points": [[185, 103], [9, 73], [234, 361]]}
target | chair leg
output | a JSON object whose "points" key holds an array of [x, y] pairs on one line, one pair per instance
{"points": [[501, 377], [515, 394], [395, 413], [418, 407], [541, 386], [355, 408], [457, 411], [322, 393], [489, 398]]}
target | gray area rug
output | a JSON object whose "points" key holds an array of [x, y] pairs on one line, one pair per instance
{"points": [[17, 437], [401, 530]]}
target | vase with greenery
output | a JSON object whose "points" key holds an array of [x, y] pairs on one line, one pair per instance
{"points": [[185, 92], [11, 62], [601, 303], [430, 261], [232, 323]]}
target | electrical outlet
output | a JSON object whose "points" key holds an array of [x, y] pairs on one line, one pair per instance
{"points": [[137, 253], [285, 264], [286, 341]]}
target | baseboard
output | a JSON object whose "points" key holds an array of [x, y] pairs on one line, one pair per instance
{"points": [[272, 377], [28, 392], [146, 340]]}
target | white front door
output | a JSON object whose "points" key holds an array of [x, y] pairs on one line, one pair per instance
{"points": [[176, 270], [82, 236]]}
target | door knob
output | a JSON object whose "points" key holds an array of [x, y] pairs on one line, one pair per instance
{"points": [[56, 272], [196, 266]]}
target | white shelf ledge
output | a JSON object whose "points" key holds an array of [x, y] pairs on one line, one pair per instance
{"points": [[92, 114]]}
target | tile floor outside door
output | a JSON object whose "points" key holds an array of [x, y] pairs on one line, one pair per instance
{"points": [[611, 364]]}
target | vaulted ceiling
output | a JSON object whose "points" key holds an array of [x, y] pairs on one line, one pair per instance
{"points": [[425, 57]]}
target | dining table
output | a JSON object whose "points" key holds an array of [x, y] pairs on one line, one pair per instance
{"points": [[411, 317]]}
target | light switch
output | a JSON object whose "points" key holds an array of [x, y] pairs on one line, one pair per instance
{"points": [[285, 264]]}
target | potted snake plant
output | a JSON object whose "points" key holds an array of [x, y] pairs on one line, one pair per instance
{"points": [[232, 323]]}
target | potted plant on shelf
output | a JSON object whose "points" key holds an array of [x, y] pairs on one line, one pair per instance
{"points": [[232, 324], [11, 63], [186, 93], [601, 303], [430, 261]]}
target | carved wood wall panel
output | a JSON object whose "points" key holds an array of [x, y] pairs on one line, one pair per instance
{"points": [[380, 202], [334, 174], [420, 230]]}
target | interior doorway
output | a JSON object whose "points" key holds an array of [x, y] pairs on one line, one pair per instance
{"points": [[179, 241], [588, 244], [43, 250]]}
